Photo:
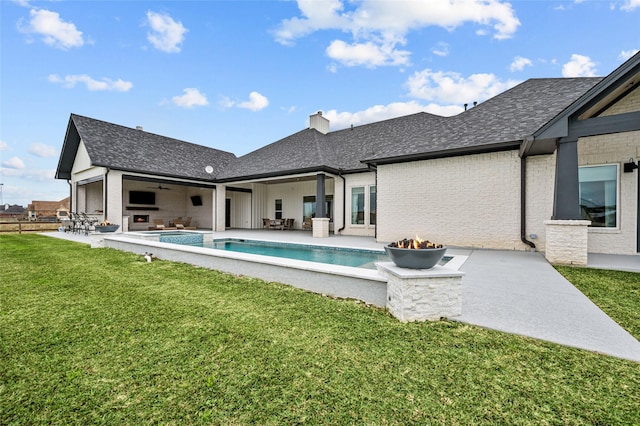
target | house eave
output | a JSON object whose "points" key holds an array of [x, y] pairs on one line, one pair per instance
{"points": [[271, 175], [455, 152]]}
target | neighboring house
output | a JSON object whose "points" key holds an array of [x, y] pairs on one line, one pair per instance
{"points": [[53, 210], [516, 171], [13, 211]]}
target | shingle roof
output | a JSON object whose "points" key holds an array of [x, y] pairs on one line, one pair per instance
{"points": [[123, 148], [502, 121], [505, 119]]}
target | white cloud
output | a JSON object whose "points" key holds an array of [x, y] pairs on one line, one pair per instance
{"points": [[342, 120], [14, 163], [54, 31], [93, 85], [31, 175], [256, 102], [519, 63], [4, 146], [368, 54], [167, 35], [630, 5], [191, 98], [627, 54], [42, 150], [452, 88], [377, 27], [441, 49], [579, 66]]}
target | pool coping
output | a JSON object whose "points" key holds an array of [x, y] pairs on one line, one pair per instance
{"points": [[367, 285]]}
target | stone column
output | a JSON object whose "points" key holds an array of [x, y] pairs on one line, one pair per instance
{"points": [[422, 294], [320, 227], [566, 241], [219, 204]]}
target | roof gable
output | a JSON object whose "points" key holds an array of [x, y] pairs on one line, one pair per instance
{"points": [[123, 148]]}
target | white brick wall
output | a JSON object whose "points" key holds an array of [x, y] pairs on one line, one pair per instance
{"points": [[629, 103], [471, 201], [615, 149], [541, 171]]}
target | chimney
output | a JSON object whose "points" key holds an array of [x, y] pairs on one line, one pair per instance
{"points": [[318, 122], [139, 128]]}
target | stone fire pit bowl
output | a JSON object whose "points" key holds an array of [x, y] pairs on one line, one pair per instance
{"points": [[415, 258], [107, 228]]}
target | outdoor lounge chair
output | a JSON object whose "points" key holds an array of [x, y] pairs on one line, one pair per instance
{"points": [[158, 225], [307, 224]]}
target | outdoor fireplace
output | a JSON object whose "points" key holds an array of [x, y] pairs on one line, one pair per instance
{"points": [[140, 218]]}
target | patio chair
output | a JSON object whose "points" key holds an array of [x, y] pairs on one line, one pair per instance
{"points": [[266, 223], [288, 224], [307, 224], [158, 224]]}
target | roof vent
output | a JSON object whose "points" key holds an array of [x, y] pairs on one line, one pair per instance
{"points": [[139, 128], [318, 122]]}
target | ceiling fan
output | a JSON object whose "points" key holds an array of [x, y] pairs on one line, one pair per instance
{"points": [[160, 187]]}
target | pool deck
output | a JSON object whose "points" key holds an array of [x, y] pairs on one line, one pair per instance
{"points": [[509, 291]]}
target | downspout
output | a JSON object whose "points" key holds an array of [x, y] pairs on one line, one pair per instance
{"points": [[523, 203], [344, 202], [106, 194]]}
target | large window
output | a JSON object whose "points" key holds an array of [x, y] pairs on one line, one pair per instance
{"points": [[363, 204], [599, 195], [372, 205], [357, 205], [309, 206]]}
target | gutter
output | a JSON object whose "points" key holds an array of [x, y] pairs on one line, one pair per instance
{"points": [[523, 203], [106, 194]]}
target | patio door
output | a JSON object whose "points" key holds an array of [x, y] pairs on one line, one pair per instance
{"points": [[227, 213]]}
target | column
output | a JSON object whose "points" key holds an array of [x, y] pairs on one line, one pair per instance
{"points": [[219, 208]]}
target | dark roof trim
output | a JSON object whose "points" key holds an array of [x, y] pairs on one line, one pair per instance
{"points": [[68, 153], [269, 175], [558, 127], [456, 152], [90, 180], [626, 122], [167, 182]]}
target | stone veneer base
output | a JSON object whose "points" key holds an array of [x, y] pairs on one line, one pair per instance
{"points": [[422, 294], [320, 227], [567, 241]]}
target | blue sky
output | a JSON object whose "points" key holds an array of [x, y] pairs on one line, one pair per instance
{"points": [[238, 75]]}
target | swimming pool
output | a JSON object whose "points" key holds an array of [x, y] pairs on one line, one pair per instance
{"points": [[358, 258]]}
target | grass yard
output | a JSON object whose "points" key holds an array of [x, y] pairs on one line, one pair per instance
{"points": [[98, 336]]}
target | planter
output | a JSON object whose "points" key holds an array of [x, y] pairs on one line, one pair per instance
{"points": [[415, 258], [107, 228]]}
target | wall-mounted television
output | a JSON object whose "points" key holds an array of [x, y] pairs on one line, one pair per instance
{"points": [[196, 200], [142, 197]]}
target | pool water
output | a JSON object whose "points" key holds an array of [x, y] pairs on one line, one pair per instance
{"points": [[331, 255], [358, 258]]}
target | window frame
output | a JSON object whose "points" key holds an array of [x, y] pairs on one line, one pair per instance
{"points": [[617, 194]]}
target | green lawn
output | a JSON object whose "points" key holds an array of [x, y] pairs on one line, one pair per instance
{"points": [[98, 336]]}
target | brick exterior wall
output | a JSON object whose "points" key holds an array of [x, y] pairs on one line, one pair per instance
{"points": [[541, 172], [471, 201], [615, 149]]}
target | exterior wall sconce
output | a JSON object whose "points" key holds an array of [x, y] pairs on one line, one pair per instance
{"points": [[630, 166]]}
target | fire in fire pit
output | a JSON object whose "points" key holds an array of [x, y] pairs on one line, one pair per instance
{"points": [[415, 243], [415, 253]]}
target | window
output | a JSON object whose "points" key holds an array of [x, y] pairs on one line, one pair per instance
{"points": [[279, 209], [309, 206], [372, 205], [357, 205], [599, 195]]}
